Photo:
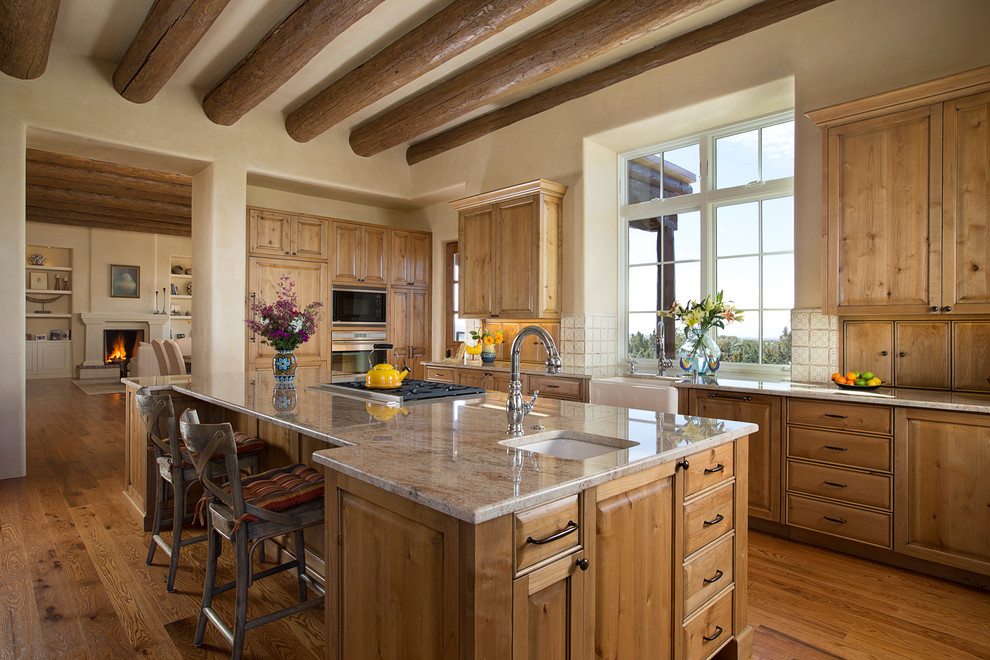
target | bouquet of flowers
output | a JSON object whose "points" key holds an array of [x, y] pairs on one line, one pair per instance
{"points": [[702, 353], [282, 324], [486, 337]]}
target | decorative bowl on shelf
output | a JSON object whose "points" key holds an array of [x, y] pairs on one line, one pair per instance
{"points": [[37, 259], [177, 270]]}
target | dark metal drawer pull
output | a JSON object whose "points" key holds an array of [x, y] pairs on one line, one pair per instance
{"points": [[841, 521], [712, 395], [715, 578], [571, 527], [837, 416], [552, 386], [718, 632], [718, 519], [834, 448], [717, 468], [832, 483]]}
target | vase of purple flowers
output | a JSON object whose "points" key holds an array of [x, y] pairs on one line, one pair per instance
{"points": [[284, 327]]}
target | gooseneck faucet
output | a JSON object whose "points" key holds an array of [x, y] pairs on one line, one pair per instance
{"points": [[515, 408], [663, 362]]}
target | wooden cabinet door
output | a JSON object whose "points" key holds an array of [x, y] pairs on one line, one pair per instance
{"points": [[409, 328], [309, 238], [549, 613], [269, 233], [310, 279], [971, 351], [374, 245], [764, 445], [475, 237], [869, 346], [410, 260], [626, 522], [922, 354], [966, 205], [517, 257], [882, 206], [473, 378], [398, 324], [942, 494], [348, 258]]}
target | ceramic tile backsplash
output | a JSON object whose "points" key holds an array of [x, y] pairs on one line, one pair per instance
{"points": [[814, 346], [588, 343]]}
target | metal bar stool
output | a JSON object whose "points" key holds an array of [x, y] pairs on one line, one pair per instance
{"points": [[246, 512], [174, 469]]}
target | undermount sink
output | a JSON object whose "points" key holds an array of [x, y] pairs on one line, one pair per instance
{"points": [[568, 444], [656, 393]]}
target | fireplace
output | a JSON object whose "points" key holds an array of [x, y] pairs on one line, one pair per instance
{"points": [[120, 345]]}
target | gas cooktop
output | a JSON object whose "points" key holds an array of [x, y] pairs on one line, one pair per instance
{"points": [[409, 390]]}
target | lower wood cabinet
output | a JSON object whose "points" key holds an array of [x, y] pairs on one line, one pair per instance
{"points": [[409, 328], [549, 617], [495, 380]]}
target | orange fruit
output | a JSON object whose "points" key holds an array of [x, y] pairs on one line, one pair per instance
{"points": [[836, 376], [841, 381], [852, 375]]}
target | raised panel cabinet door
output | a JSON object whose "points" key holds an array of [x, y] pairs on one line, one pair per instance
{"points": [[475, 238], [348, 258], [54, 358], [942, 496], [625, 523], [398, 262], [921, 354], [310, 280], [269, 233], [517, 248], [869, 346], [410, 259], [418, 330], [548, 612], [375, 260], [398, 322], [880, 212], [966, 213], [764, 445], [473, 378], [971, 348], [309, 238]]}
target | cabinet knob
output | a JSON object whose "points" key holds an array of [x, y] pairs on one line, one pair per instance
{"points": [[883, 353], [583, 563], [947, 308], [684, 465], [902, 354], [934, 308]]}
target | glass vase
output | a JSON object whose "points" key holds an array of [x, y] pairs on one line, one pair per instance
{"points": [[284, 366], [699, 354]]}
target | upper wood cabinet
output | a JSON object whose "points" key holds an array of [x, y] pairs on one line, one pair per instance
{"points": [[510, 245], [277, 234], [360, 253], [971, 341], [907, 220], [410, 263], [908, 353]]}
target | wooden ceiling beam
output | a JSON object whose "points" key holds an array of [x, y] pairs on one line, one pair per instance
{"points": [[48, 196], [590, 32], [743, 22], [288, 47], [26, 31], [170, 31], [457, 27], [99, 221], [50, 157], [76, 180], [119, 214]]}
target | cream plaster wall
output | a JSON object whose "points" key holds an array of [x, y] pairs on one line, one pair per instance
{"points": [[331, 208]]}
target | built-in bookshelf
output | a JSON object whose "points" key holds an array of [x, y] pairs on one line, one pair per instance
{"points": [[48, 280], [180, 295]]}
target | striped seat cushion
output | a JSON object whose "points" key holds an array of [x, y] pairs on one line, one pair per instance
{"points": [[282, 488]]}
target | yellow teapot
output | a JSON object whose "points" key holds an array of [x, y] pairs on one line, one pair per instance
{"points": [[384, 413], [384, 377]]}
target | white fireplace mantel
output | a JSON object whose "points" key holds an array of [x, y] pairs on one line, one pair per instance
{"points": [[154, 325]]}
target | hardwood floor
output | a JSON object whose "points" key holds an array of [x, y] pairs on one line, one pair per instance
{"points": [[74, 582]]}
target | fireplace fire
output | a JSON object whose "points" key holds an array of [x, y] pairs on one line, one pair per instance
{"points": [[119, 346]]}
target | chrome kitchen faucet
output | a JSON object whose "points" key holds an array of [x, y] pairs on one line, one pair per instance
{"points": [[515, 408]]}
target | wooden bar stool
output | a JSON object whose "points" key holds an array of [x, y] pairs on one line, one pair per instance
{"points": [[174, 469], [246, 512]]}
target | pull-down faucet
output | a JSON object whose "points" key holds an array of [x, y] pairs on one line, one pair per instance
{"points": [[663, 362], [515, 408]]}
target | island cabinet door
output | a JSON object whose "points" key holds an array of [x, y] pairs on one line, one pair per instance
{"points": [[549, 612]]}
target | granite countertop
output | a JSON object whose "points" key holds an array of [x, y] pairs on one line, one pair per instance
{"points": [[889, 396], [446, 454], [503, 365]]}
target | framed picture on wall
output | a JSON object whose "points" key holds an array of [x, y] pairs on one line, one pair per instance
{"points": [[125, 281], [39, 280]]}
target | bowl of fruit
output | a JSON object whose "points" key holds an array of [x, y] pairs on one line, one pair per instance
{"points": [[857, 380]]}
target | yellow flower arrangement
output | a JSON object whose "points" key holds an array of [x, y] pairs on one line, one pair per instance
{"points": [[486, 337]]}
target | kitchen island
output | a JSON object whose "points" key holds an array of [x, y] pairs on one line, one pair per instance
{"points": [[448, 538]]}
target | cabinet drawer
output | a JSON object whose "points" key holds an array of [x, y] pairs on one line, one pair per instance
{"points": [[708, 518], [839, 484], [556, 387], [839, 520], [707, 468], [839, 415], [707, 631], [707, 574], [868, 452], [533, 527], [440, 374]]}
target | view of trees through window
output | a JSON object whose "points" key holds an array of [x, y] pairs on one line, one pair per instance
{"points": [[711, 213]]}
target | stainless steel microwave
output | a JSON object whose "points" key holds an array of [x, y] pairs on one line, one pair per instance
{"points": [[358, 306]]}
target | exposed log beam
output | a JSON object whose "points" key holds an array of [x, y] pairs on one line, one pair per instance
{"points": [[280, 55], [50, 157], [26, 31], [97, 184], [107, 217], [169, 33], [595, 30], [748, 20], [43, 196], [53, 216], [451, 31], [122, 215]]}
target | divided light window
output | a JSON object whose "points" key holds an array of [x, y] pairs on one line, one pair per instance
{"points": [[706, 213]]}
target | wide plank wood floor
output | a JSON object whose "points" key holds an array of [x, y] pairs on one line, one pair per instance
{"points": [[74, 583]]}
